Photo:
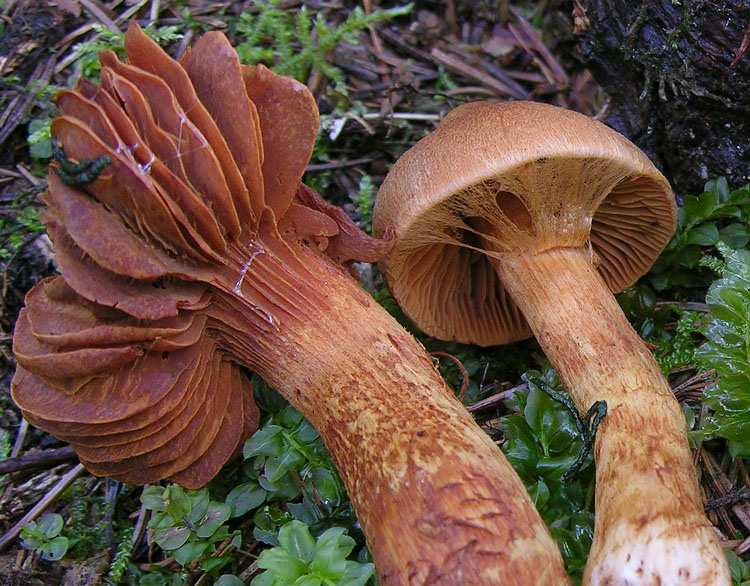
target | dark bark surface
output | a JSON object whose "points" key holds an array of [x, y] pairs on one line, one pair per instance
{"points": [[679, 81]]}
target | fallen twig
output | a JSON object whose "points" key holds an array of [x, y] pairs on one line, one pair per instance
{"points": [[462, 368], [37, 510], [462, 68], [36, 460]]}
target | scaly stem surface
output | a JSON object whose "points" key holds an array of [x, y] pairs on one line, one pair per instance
{"points": [[438, 502], [650, 527]]}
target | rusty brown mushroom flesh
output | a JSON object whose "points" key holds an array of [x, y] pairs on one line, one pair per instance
{"points": [[521, 217], [196, 252]]}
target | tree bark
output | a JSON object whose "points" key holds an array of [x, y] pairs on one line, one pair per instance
{"points": [[678, 74]]}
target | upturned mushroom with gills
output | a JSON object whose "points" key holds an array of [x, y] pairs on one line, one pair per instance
{"points": [[520, 218], [192, 253]]}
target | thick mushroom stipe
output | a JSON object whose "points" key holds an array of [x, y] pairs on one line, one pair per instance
{"points": [[521, 218], [197, 255]]}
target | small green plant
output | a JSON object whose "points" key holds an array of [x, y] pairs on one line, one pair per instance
{"points": [[189, 525], [542, 443], [119, 565], [39, 139], [740, 570], [285, 41], [87, 53], [44, 537], [287, 465], [18, 229], [715, 215], [726, 351], [89, 519], [364, 199], [679, 348], [303, 560]]}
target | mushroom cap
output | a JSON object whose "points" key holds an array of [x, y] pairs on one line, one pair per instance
{"points": [[498, 178], [137, 353]]}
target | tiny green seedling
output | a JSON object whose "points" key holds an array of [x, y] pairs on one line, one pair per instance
{"points": [[189, 525], [44, 537], [300, 559]]}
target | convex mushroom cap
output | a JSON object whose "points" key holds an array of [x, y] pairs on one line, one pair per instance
{"points": [[495, 178]]}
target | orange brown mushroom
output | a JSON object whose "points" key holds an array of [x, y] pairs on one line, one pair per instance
{"points": [[521, 217], [197, 253]]}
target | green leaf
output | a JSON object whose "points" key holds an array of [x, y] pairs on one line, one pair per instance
{"points": [[152, 498], [212, 563], [32, 539], [308, 581], [281, 564], [326, 484], [267, 536], [267, 441], [290, 417], [306, 433], [265, 579], [727, 351], [177, 502], [356, 574], [539, 494], [216, 515], [332, 548], [740, 570], [735, 235], [245, 498], [306, 511], [703, 235], [537, 404], [521, 448], [160, 521], [229, 580], [296, 539], [172, 537], [192, 550], [55, 549], [40, 143], [199, 502], [720, 187], [698, 208], [50, 525], [277, 467]]}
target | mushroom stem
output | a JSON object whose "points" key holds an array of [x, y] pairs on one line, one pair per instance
{"points": [[438, 502], [642, 452]]}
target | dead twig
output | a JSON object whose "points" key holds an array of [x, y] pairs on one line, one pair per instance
{"points": [[743, 48], [459, 66], [36, 460], [99, 13], [18, 444], [692, 389], [730, 498], [318, 167], [494, 399], [462, 368], [16, 111], [723, 487]]}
